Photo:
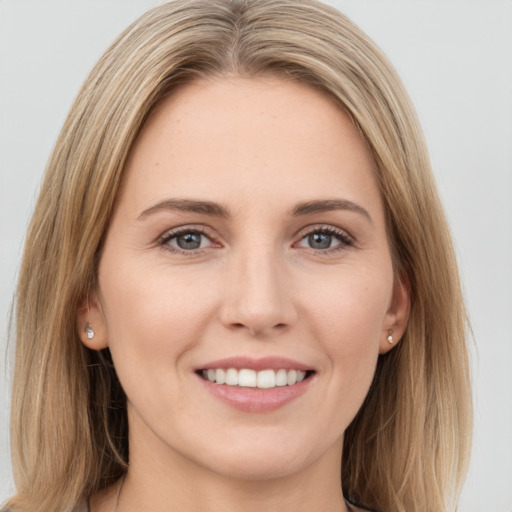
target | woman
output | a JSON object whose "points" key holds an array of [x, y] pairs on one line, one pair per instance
{"points": [[238, 286]]}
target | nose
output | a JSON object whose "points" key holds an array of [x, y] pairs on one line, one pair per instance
{"points": [[258, 296]]}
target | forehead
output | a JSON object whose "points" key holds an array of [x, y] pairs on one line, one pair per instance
{"points": [[241, 135]]}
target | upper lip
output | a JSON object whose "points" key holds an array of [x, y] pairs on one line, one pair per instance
{"points": [[257, 364]]}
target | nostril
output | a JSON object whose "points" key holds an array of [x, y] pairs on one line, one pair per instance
{"points": [[257, 329]]}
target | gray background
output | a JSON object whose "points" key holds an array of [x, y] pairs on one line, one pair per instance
{"points": [[455, 57]]}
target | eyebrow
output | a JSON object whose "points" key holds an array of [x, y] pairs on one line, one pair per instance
{"points": [[327, 205], [217, 210], [187, 205]]}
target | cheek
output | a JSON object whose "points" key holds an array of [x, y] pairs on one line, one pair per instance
{"points": [[344, 315], [349, 303], [347, 316], [153, 317]]}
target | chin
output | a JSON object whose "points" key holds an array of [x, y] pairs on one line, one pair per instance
{"points": [[267, 458], [253, 467]]}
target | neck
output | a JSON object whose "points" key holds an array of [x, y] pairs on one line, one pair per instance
{"points": [[273, 496], [163, 480], [211, 494], [161, 477]]}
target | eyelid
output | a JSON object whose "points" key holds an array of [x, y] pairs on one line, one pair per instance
{"points": [[168, 235], [345, 238], [329, 228]]}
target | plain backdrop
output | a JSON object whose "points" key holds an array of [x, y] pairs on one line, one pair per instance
{"points": [[455, 57]]}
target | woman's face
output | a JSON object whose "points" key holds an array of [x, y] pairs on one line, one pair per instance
{"points": [[248, 242]]}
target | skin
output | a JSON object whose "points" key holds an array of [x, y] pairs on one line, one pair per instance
{"points": [[256, 287]]}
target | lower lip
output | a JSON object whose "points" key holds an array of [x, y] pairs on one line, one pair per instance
{"points": [[256, 399]]}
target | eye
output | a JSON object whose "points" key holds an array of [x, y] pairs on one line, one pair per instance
{"points": [[320, 240], [326, 239], [189, 241], [185, 240]]}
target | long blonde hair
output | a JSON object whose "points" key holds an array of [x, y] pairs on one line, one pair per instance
{"points": [[407, 449]]}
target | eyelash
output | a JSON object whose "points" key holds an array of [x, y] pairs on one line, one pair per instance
{"points": [[342, 236], [168, 236]]}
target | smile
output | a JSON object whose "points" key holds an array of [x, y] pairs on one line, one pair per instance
{"points": [[246, 377], [256, 385]]}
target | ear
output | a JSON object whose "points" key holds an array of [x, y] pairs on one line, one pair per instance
{"points": [[90, 323], [397, 315]]}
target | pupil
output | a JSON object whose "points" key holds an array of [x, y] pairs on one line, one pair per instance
{"points": [[320, 240], [189, 241]]}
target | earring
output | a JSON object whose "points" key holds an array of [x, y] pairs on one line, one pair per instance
{"points": [[89, 331], [390, 337]]}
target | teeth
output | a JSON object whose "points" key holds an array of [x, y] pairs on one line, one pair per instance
{"points": [[267, 379], [232, 377], [263, 379], [281, 378], [220, 376], [247, 378]]}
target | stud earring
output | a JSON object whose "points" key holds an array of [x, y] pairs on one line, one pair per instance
{"points": [[390, 337], [89, 331]]}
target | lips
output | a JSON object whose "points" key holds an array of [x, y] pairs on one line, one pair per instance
{"points": [[256, 385], [262, 363], [246, 377]]}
